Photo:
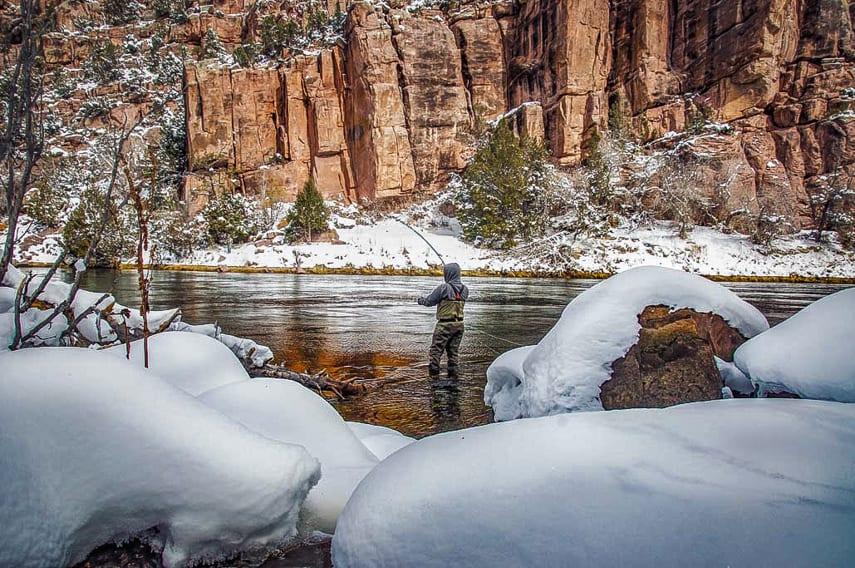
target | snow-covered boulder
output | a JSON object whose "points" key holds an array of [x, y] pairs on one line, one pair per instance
{"points": [[564, 372], [733, 378], [7, 299], [809, 355], [288, 412], [95, 449], [192, 362], [741, 482], [380, 440], [504, 379]]}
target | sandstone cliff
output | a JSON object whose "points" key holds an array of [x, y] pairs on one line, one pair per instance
{"points": [[390, 112], [388, 109]]}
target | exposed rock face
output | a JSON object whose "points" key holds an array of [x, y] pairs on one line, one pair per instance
{"points": [[376, 126], [434, 96], [561, 57], [270, 128], [483, 64], [672, 362], [388, 113], [777, 70]]}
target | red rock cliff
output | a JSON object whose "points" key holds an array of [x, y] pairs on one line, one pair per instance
{"points": [[389, 113]]}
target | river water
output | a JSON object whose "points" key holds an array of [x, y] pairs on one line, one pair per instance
{"points": [[371, 326]]}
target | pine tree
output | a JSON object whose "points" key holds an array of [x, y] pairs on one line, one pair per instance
{"points": [[503, 190], [309, 213]]}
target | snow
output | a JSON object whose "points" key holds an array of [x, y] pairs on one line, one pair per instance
{"points": [[96, 449], [742, 482], [504, 377], [33, 317], [733, 378], [564, 372], [809, 354], [191, 362], [383, 243], [245, 349], [288, 412], [380, 440]]}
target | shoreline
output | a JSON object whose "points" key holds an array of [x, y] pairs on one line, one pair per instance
{"points": [[391, 271]]}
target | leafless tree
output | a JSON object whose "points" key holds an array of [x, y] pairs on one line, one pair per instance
{"points": [[64, 307], [22, 138], [832, 204]]}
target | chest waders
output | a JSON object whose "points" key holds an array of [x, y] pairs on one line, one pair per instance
{"points": [[447, 335]]}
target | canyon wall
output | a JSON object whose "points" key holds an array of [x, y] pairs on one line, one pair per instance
{"points": [[390, 110]]}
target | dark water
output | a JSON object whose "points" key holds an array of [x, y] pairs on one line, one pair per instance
{"points": [[371, 326]]}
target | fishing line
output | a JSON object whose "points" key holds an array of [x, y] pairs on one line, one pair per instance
{"points": [[508, 341], [422, 237]]}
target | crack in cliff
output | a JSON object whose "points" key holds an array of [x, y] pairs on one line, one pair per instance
{"points": [[405, 98]]}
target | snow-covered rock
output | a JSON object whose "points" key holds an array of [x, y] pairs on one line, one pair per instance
{"points": [[504, 377], [95, 449], [288, 412], [380, 440], [7, 299], [809, 354], [192, 362], [565, 370], [723, 483], [733, 378]]}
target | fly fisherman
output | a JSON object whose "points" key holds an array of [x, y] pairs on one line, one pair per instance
{"points": [[449, 299]]}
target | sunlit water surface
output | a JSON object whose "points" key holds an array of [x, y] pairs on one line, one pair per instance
{"points": [[371, 326]]}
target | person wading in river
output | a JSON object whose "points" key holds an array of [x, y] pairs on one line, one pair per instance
{"points": [[449, 299]]}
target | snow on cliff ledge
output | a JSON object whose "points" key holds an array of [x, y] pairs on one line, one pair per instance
{"points": [[810, 354], [95, 449], [748, 482], [564, 372]]}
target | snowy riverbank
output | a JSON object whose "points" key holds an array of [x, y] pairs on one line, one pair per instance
{"points": [[384, 245]]}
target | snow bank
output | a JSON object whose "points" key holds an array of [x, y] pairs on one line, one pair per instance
{"points": [[682, 486], [192, 362], [504, 377], [733, 378], [809, 354], [95, 449], [245, 349], [288, 412], [380, 441], [564, 371]]}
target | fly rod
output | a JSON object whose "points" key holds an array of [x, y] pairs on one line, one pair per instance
{"points": [[427, 242], [422, 237]]}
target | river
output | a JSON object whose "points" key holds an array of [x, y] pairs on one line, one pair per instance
{"points": [[371, 326]]}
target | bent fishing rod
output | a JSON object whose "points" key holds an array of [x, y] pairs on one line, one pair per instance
{"points": [[427, 242], [422, 237]]}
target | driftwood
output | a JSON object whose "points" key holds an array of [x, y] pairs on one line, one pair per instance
{"points": [[320, 381]]}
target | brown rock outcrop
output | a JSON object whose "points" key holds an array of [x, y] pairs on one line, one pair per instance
{"points": [[433, 93], [376, 125], [483, 64], [271, 128], [561, 58], [387, 114], [672, 362]]}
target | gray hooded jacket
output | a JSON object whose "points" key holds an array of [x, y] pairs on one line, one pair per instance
{"points": [[448, 290]]}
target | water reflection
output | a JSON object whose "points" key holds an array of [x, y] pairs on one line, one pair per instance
{"points": [[370, 326]]}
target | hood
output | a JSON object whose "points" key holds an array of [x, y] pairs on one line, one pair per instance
{"points": [[451, 273]]}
